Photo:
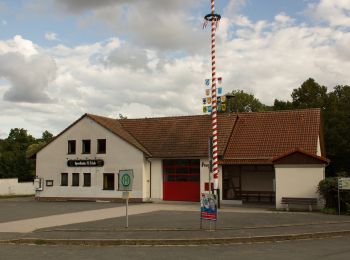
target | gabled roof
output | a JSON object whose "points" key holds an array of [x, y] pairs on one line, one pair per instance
{"points": [[178, 137], [244, 138], [298, 156], [115, 127], [110, 124], [258, 137]]}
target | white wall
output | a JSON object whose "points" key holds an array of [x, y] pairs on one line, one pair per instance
{"points": [[157, 179], [318, 146], [297, 181], [120, 155], [13, 187], [204, 175]]}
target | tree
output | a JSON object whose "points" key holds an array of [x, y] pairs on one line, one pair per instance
{"points": [[46, 136], [13, 160], [245, 102], [310, 95], [337, 129], [282, 105]]}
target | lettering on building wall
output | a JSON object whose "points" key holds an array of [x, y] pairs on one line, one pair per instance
{"points": [[85, 163], [204, 164]]}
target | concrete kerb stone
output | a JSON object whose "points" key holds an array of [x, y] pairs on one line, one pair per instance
{"points": [[177, 242], [196, 229]]}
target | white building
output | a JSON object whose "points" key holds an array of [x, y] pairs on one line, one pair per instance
{"points": [[263, 157]]}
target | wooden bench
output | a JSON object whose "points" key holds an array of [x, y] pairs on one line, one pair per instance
{"points": [[299, 201], [258, 194]]}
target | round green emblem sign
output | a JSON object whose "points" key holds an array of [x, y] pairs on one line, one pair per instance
{"points": [[126, 180]]}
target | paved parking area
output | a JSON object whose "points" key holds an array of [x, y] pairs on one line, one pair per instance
{"points": [[26, 207], [151, 220]]}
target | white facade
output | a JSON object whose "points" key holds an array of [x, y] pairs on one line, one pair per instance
{"points": [[120, 155], [297, 181]]}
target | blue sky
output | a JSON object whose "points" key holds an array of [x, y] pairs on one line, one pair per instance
{"points": [[62, 58]]}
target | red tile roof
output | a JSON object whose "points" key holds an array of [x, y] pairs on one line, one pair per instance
{"points": [[269, 134], [183, 136], [115, 127], [244, 138]]}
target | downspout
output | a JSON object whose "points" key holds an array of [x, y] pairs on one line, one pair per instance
{"points": [[150, 178]]}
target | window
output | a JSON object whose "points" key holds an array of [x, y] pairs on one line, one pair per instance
{"points": [[49, 183], [86, 146], [108, 181], [75, 180], [64, 179], [71, 146], [87, 179], [101, 145]]}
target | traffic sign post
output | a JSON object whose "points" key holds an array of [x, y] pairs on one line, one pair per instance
{"points": [[125, 181]]}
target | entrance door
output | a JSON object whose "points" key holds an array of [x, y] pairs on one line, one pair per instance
{"points": [[181, 180]]}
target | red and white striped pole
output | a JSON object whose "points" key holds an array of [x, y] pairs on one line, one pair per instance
{"points": [[214, 23]]}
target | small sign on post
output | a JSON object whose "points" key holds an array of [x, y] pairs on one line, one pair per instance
{"points": [[125, 181]]}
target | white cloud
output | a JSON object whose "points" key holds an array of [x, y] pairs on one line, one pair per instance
{"points": [[112, 76], [157, 24], [335, 12], [28, 71], [51, 36]]}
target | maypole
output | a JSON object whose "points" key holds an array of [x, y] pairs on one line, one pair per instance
{"points": [[214, 19]]}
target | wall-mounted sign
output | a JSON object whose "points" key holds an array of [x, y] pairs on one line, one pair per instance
{"points": [[85, 163]]}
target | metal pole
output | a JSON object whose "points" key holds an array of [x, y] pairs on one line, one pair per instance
{"points": [[127, 215], [338, 199]]}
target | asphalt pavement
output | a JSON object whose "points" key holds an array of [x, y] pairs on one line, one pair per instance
{"points": [[153, 223]]}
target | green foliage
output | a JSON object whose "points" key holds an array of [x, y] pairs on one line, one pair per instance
{"points": [[245, 102], [328, 189], [15, 153], [282, 105], [332, 211], [310, 95], [46, 136]]}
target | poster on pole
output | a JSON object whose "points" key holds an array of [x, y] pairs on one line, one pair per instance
{"points": [[209, 210]]}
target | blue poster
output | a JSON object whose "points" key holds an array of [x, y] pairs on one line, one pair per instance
{"points": [[209, 109], [209, 209]]}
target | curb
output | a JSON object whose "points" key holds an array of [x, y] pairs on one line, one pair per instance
{"points": [[177, 242]]}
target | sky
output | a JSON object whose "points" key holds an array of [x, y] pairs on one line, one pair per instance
{"points": [[60, 59]]}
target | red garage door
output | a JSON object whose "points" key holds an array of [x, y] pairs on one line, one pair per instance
{"points": [[181, 180]]}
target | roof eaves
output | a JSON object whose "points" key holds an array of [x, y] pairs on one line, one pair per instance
{"points": [[142, 148]]}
